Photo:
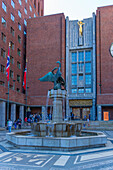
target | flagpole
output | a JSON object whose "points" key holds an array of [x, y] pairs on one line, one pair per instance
{"points": [[8, 88], [26, 89]]}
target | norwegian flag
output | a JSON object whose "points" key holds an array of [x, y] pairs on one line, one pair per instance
{"points": [[24, 82], [8, 66]]}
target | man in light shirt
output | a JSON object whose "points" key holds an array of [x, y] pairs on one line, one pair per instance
{"points": [[9, 125]]}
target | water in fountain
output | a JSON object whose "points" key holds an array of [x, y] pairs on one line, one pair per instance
{"points": [[46, 110]]}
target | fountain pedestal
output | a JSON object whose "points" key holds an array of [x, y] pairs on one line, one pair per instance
{"points": [[57, 96]]}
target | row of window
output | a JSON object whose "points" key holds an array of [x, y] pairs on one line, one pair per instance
{"points": [[87, 79], [81, 90], [19, 13], [2, 69], [81, 67], [81, 56], [10, 86]]}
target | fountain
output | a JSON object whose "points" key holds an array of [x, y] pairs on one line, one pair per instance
{"points": [[57, 134]]}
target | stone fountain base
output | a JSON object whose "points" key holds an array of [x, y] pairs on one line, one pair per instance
{"points": [[56, 143], [61, 129]]}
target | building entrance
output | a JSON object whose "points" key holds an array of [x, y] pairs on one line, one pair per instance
{"points": [[81, 113]]}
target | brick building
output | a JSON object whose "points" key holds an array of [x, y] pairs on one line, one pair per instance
{"points": [[104, 36], [45, 46], [13, 28]]}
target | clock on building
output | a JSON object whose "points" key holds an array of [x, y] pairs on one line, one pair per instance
{"points": [[111, 49]]}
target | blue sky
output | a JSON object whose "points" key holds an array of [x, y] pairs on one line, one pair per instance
{"points": [[75, 9]]}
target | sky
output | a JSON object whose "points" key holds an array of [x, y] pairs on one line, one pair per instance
{"points": [[74, 9]]}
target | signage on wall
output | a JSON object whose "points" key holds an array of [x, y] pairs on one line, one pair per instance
{"points": [[111, 49]]}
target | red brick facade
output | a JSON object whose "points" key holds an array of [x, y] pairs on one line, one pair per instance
{"points": [[45, 46], [104, 36], [33, 7]]}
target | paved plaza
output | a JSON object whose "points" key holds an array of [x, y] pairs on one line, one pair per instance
{"points": [[13, 158]]}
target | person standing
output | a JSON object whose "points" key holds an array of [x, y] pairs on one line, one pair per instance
{"points": [[9, 125]]}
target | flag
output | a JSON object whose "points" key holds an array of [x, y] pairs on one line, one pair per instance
{"points": [[8, 66], [24, 82]]}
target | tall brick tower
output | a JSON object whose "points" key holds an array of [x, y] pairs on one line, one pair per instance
{"points": [[13, 28]]}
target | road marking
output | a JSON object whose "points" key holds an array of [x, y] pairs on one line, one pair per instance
{"points": [[38, 163], [62, 161], [76, 159], [8, 160], [40, 156], [5, 154], [96, 156]]}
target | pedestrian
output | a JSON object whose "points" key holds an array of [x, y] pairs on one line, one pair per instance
{"points": [[25, 120], [19, 124], [9, 125], [15, 124]]}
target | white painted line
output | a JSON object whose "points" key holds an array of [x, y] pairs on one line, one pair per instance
{"points": [[8, 160], [76, 159], [47, 161], [5, 154], [62, 161], [96, 156], [38, 163]]}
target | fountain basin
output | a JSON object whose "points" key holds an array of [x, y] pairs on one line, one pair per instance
{"points": [[62, 129], [56, 143]]}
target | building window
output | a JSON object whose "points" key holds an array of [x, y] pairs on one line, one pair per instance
{"points": [[81, 67], [12, 17], [18, 78], [81, 90], [12, 45], [18, 90], [87, 55], [24, 32], [19, 26], [3, 53], [73, 68], [30, 8], [3, 22], [2, 68], [80, 56], [11, 60], [80, 76], [74, 90], [25, 10], [74, 79], [11, 86], [19, 52], [2, 83], [12, 31], [88, 90], [19, 14], [4, 7], [3, 37], [19, 39], [88, 79], [13, 4], [34, 16], [25, 22], [20, 2], [11, 74], [88, 67], [18, 65], [74, 57]]}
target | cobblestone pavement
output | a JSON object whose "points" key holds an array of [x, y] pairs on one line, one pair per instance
{"points": [[12, 158]]}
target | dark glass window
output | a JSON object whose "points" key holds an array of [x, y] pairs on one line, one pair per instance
{"points": [[74, 79], [87, 55], [74, 57]]}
